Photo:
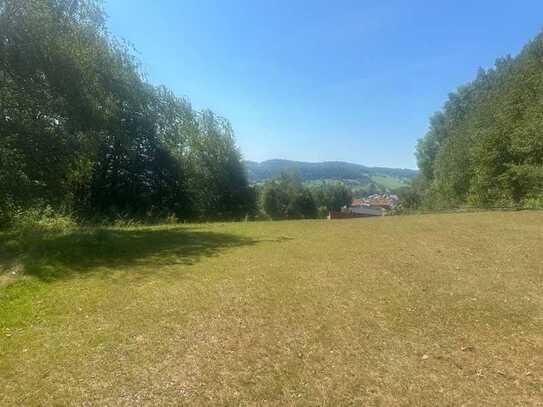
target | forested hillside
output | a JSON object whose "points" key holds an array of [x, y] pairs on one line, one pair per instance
{"points": [[485, 148], [337, 170], [82, 131]]}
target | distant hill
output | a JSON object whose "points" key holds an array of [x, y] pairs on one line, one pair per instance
{"points": [[385, 178], [323, 170]]}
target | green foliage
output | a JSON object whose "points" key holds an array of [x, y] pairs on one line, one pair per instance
{"points": [[409, 198], [287, 198], [37, 220], [303, 205], [485, 148], [332, 195], [533, 203], [275, 201], [217, 181], [81, 129]]}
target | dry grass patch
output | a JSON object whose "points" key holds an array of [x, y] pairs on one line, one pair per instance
{"points": [[418, 310]]}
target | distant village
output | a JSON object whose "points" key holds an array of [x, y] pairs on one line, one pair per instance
{"points": [[373, 205]]}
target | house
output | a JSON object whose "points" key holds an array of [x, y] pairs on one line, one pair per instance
{"points": [[373, 205], [358, 202], [384, 201]]}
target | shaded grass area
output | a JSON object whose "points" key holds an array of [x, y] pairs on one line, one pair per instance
{"points": [[418, 310], [50, 256]]}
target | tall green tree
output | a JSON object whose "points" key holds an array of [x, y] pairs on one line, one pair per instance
{"points": [[287, 198], [81, 129], [485, 148], [332, 195], [218, 179]]}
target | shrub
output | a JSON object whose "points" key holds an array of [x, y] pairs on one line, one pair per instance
{"points": [[533, 203], [41, 219]]}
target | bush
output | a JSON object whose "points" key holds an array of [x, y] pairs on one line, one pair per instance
{"points": [[41, 219], [7, 213], [323, 212], [533, 203], [172, 219]]}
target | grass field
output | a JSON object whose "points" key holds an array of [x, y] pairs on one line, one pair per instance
{"points": [[389, 182], [433, 310]]}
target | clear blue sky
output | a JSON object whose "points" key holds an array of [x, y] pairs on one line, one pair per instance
{"points": [[323, 80]]}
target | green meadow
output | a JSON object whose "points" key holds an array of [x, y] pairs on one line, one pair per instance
{"points": [[415, 310]]}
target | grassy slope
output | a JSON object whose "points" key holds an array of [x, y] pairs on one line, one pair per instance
{"points": [[388, 182], [419, 310]]}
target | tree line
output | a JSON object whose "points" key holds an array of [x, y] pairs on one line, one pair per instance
{"points": [[81, 130], [286, 197], [485, 148]]}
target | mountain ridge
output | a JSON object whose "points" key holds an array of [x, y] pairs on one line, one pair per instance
{"points": [[311, 171]]}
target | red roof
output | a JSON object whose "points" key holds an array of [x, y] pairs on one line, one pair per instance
{"points": [[359, 202], [377, 200]]}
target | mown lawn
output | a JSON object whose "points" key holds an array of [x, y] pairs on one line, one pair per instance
{"points": [[432, 310]]}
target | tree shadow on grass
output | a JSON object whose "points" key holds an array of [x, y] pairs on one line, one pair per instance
{"points": [[56, 256]]}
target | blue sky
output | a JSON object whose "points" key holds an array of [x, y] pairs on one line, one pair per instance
{"points": [[322, 80]]}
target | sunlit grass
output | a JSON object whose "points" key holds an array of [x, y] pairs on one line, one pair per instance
{"points": [[388, 182], [418, 310]]}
